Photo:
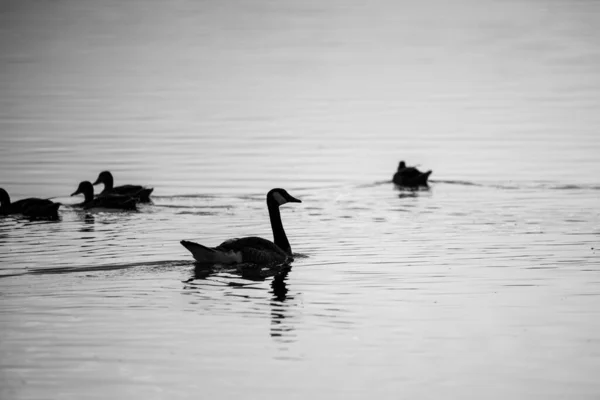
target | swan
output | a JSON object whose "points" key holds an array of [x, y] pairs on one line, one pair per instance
{"points": [[251, 249]]}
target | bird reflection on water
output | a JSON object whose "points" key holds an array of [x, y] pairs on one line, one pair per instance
{"points": [[248, 272], [88, 223], [280, 309], [281, 330], [411, 191]]}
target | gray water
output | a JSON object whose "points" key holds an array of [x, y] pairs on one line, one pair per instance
{"points": [[484, 286]]}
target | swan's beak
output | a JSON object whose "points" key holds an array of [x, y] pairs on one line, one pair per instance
{"points": [[75, 193], [97, 181], [294, 200]]}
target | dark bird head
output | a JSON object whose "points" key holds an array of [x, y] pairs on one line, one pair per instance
{"points": [[85, 188], [279, 197], [402, 165], [106, 178]]}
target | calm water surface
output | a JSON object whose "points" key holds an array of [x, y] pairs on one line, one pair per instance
{"points": [[484, 286]]}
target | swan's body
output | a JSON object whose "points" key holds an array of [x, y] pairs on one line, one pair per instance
{"points": [[140, 192], [251, 249], [31, 207], [410, 176], [106, 201]]}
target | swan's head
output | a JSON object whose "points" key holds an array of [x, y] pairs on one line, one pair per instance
{"points": [[402, 165], [104, 177], [84, 188], [279, 197]]}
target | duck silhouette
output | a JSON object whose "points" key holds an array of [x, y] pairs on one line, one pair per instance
{"points": [[30, 207], [106, 201], [410, 176], [140, 192]]}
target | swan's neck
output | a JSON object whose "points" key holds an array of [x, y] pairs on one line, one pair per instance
{"points": [[279, 237]]}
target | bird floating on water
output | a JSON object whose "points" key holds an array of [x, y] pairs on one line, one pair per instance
{"points": [[140, 192], [105, 201], [254, 250], [30, 207], [410, 176]]}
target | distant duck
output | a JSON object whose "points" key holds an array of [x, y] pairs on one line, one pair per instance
{"points": [[30, 207], [140, 192], [252, 249], [106, 201], [410, 176]]}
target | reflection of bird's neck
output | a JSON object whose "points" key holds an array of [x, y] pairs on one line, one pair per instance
{"points": [[279, 236], [279, 287]]}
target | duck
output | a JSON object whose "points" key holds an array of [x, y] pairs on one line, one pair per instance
{"points": [[253, 249], [106, 201], [140, 192], [410, 176], [30, 207]]}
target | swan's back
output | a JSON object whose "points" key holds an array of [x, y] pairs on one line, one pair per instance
{"points": [[255, 250], [129, 190]]}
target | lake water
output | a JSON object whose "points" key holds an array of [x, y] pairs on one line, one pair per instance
{"points": [[484, 286]]}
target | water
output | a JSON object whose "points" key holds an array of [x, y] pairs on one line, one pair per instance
{"points": [[485, 285]]}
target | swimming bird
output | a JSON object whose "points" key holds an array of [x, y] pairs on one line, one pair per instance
{"points": [[106, 201], [30, 207], [254, 250], [410, 176], [140, 192]]}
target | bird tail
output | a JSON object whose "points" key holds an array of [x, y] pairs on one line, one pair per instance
{"points": [[131, 203], [204, 254], [144, 195]]}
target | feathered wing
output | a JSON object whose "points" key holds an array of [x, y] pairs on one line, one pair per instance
{"points": [[255, 250], [116, 201], [42, 210], [20, 205], [137, 191], [411, 177], [251, 249], [35, 207], [410, 172]]}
